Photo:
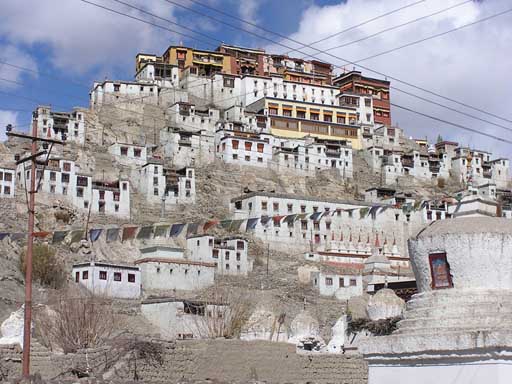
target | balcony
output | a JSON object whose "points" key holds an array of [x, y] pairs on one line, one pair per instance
{"points": [[185, 142], [333, 153]]}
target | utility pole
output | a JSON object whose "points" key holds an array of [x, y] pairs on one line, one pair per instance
{"points": [[27, 322]]}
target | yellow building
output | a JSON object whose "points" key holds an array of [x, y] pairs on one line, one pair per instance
{"points": [[296, 119], [204, 63]]}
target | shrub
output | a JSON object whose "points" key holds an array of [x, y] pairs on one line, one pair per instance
{"points": [[76, 319], [46, 268], [441, 183]]}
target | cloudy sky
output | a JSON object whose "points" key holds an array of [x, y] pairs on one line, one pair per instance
{"points": [[64, 45]]}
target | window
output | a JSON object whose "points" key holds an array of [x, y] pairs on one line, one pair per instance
{"points": [[314, 116], [64, 191], [368, 102], [155, 170], [303, 209], [125, 186], [85, 275], [82, 181], [117, 276], [116, 196], [155, 181], [248, 146], [247, 158], [328, 281], [240, 245], [86, 204], [272, 111], [342, 282], [234, 144], [116, 208], [103, 275], [440, 271], [304, 225], [260, 147], [77, 277], [79, 192], [238, 256], [52, 188], [155, 191], [328, 118], [316, 225], [301, 114], [124, 151], [227, 255], [229, 82], [264, 205], [235, 156], [64, 177], [260, 159], [215, 253], [102, 195], [290, 208], [137, 152], [275, 206], [328, 225], [353, 282], [227, 266]]}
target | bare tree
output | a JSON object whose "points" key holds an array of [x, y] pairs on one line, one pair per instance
{"points": [[76, 319], [226, 310]]}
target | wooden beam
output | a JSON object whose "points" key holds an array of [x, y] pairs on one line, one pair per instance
{"points": [[31, 157]]}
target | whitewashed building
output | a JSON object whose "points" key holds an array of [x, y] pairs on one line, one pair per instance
{"points": [[107, 279], [165, 185], [129, 154], [162, 74], [180, 319], [230, 255], [186, 116], [338, 282], [166, 269], [243, 148], [111, 198], [7, 182], [186, 148], [116, 91], [63, 178], [65, 126]]}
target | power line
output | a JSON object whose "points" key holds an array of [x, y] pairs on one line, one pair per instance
{"points": [[317, 41], [498, 138], [144, 21], [164, 27], [337, 57], [396, 26], [409, 93], [436, 35]]}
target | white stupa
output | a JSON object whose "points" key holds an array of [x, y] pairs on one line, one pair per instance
{"points": [[305, 332], [264, 325], [11, 330], [458, 328], [385, 304]]}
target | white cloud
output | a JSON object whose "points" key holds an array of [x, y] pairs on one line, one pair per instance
{"points": [[7, 117], [13, 75], [79, 36], [248, 10], [471, 65]]}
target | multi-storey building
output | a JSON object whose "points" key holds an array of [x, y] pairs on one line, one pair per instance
{"points": [[129, 154], [7, 181], [162, 74], [62, 177], [186, 116], [186, 148], [244, 61], [243, 147], [112, 91], [162, 185], [295, 119], [66, 126], [230, 255], [299, 70], [355, 82], [198, 61]]}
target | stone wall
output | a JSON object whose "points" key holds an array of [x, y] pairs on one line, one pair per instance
{"points": [[224, 360]]}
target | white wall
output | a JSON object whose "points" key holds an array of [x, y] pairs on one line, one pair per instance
{"points": [[109, 287], [7, 187]]}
